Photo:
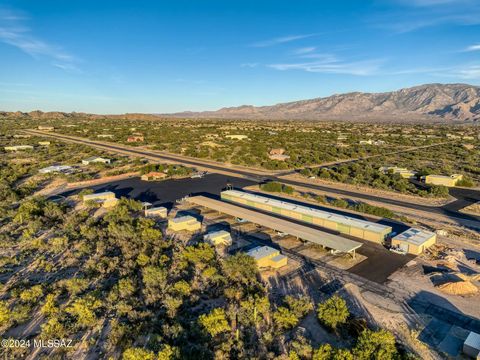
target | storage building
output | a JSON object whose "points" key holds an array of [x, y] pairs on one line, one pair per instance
{"points": [[188, 223], [159, 211], [64, 169], [18, 147], [46, 128], [403, 172], [344, 224], [106, 199], [268, 257], [216, 238], [153, 175], [414, 241], [471, 346], [444, 180], [95, 159]]}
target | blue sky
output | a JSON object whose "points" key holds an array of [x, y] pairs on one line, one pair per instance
{"points": [[164, 56]]}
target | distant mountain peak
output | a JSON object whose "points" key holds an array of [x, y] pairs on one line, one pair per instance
{"points": [[428, 102]]}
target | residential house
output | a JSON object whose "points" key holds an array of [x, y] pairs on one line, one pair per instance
{"points": [[106, 199], [445, 180], [153, 176]]}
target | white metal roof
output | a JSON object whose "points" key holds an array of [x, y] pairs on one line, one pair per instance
{"points": [[215, 234], [414, 236], [304, 232], [347, 220], [55, 168], [155, 209], [185, 218], [261, 252], [473, 340], [93, 196]]}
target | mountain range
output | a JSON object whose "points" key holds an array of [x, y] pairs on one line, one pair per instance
{"points": [[442, 103], [430, 102]]}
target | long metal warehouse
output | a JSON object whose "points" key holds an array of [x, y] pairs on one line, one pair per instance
{"points": [[330, 241], [344, 224]]}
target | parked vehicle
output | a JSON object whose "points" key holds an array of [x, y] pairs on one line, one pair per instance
{"points": [[397, 250]]}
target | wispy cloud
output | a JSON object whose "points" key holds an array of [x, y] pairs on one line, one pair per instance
{"points": [[421, 14], [249, 65], [426, 3], [475, 47], [281, 40], [329, 64], [304, 50], [14, 32]]}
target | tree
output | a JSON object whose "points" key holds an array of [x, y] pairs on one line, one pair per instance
{"points": [[138, 354], [49, 307], [32, 295], [240, 268], [333, 312], [285, 318], [84, 310], [5, 314], [299, 305], [377, 345], [342, 354], [215, 322], [168, 353], [324, 352], [53, 329]]}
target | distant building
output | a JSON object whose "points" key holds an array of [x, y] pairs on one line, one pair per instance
{"points": [[414, 241], [153, 175], [95, 159], [279, 157], [44, 143], [268, 257], [403, 172], [160, 212], [106, 199], [278, 154], [64, 169], [105, 136], [135, 139], [372, 142], [18, 148], [444, 180], [21, 136], [46, 128], [237, 137], [188, 223], [277, 151], [216, 238], [471, 346]]}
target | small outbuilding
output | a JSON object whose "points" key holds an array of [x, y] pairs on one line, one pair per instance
{"points": [[106, 198], [471, 346], [153, 176], [237, 137], [216, 238], [96, 159], [135, 138], [64, 169], [18, 148], [159, 211], [414, 241], [44, 143], [268, 257], [46, 128], [403, 172], [450, 180], [188, 223]]}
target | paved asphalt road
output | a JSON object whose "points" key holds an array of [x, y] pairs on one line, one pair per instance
{"points": [[465, 197]]}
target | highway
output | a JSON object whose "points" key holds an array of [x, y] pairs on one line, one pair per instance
{"points": [[464, 196]]}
